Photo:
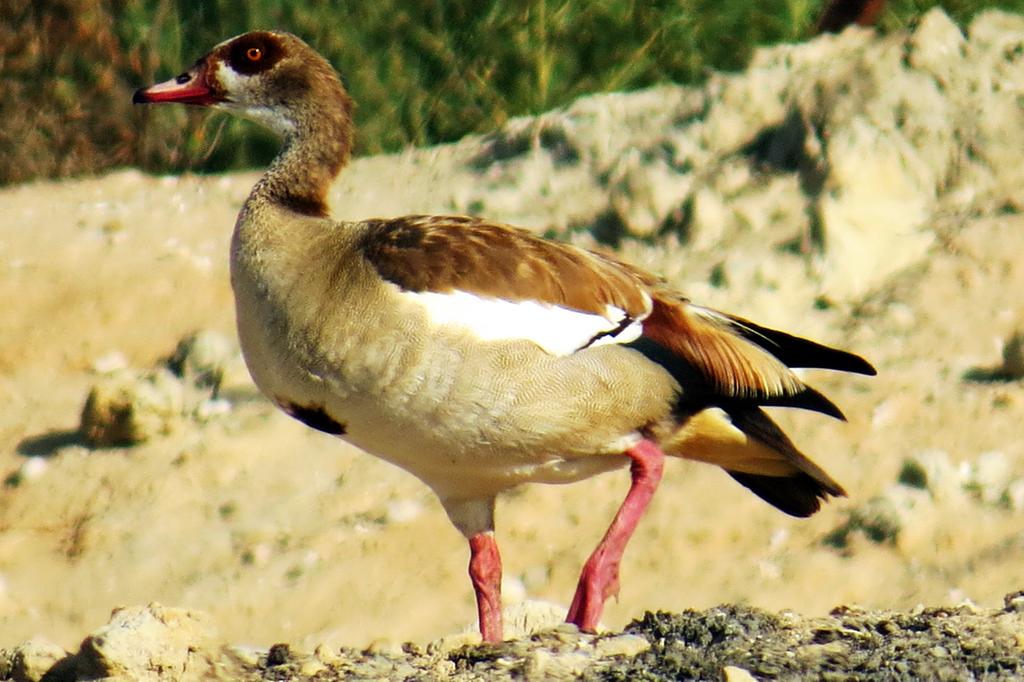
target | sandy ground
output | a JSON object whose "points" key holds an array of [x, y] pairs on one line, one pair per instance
{"points": [[284, 534]]}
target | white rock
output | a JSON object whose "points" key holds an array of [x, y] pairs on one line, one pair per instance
{"points": [[621, 645], [125, 409], [1013, 356], [988, 476], [1015, 494], [403, 511], [934, 471], [33, 468], [202, 358], [529, 616], [151, 643], [732, 673], [110, 362], [644, 192], [938, 47], [35, 658]]}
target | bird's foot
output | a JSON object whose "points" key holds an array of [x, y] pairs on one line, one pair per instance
{"points": [[485, 572], [600, 576]]}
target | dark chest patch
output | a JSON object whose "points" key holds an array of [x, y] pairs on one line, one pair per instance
{"points": [[304, 205], [314, 417]]}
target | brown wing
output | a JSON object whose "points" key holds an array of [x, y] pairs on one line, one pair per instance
{"points": [[449, 253], [712, 356]]}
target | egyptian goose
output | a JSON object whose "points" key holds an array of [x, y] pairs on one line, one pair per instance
{"points": [[476, 355]]}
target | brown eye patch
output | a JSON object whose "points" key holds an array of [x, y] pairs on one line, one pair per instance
{"points": [[254, 52]]}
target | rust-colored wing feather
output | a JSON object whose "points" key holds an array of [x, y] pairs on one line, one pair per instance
{"points": [[715, 356], [795, 351]]}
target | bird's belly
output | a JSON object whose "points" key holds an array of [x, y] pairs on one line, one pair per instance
{"points": [[486, 462], [454, 411], [465, 442]]}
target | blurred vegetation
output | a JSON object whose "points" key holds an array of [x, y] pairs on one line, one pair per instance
{"points": [[422, 71]]}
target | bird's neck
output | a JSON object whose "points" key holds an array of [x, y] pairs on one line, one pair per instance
{"points": [[313, 154]]}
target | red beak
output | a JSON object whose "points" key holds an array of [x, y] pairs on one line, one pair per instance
{"points": [[188, 88]]}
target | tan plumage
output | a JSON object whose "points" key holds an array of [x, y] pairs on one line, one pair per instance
{"points": [[477, 355]]}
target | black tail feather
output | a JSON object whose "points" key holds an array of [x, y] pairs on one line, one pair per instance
{"points": [[794, 351], [807, 399], [798, 495]]}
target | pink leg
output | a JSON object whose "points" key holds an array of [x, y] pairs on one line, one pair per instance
{"points": [[485, 572], [600, 576]]}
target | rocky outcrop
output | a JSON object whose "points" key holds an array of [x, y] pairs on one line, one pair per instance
{"points": [[854, 150], [732, 643]]}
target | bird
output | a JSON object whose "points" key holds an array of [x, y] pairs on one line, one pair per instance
{"points": [[479, 356]]}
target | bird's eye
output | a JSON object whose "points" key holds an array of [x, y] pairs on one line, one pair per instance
{"points": [[254, 54]]}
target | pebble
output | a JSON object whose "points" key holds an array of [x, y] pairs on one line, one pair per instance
{"points": [[33, 467], [621, 645], [1014, 602], [403, 511], [127, 407], [202, 358], [33, 659], [109, 363], [327, 654], [988, 476], [732, 673], [1013, 356], [311, 667], [1015, 494], [141, 639]]}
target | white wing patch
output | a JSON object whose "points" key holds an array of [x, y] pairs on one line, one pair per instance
{"points": [[558, 330]]}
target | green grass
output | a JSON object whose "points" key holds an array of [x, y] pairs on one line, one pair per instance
{"points": [[422, 72]]}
